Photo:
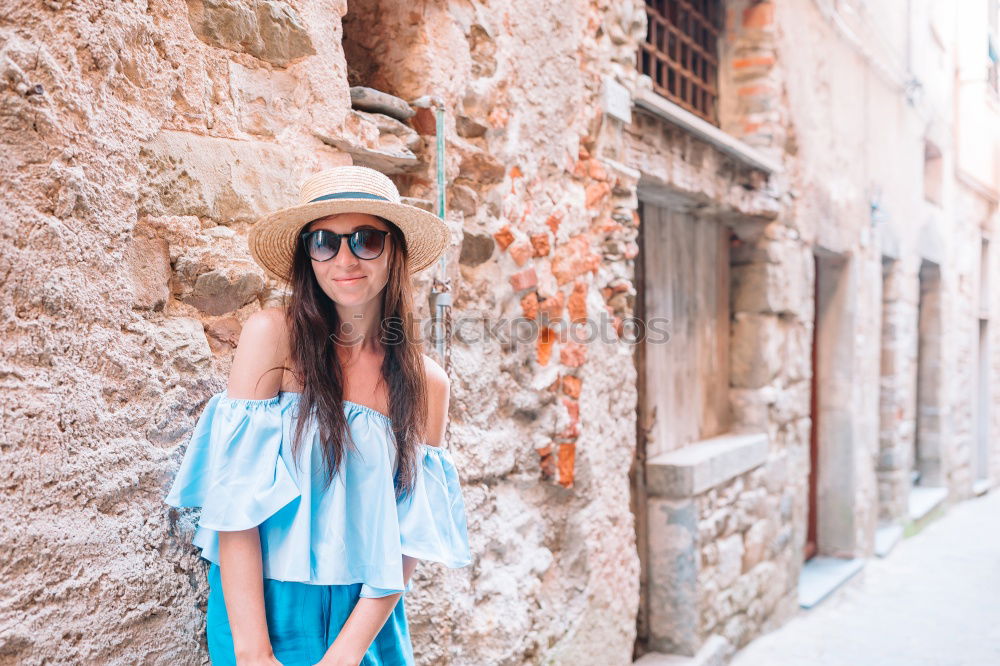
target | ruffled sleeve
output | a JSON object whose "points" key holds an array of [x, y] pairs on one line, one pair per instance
{"points": [[232, 467], [432, 521], [432, 517]]}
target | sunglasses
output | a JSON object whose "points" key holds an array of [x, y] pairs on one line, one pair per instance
{"points": [[323, 245]]}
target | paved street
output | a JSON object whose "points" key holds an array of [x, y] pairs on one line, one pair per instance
{"points": [[934, 601]]}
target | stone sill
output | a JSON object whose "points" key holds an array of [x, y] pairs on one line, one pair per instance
{"points": [[704, 130], [703, 465], [715, 652], [820, 576], [924, 499], [886, 538]]}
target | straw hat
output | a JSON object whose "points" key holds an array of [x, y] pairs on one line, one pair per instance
{"points": [[345, 189]]}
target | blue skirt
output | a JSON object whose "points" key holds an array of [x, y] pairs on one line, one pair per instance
{"points": [[303, 620]]}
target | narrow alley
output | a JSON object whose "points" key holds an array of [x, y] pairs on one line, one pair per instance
{"points": [[933, 601]]}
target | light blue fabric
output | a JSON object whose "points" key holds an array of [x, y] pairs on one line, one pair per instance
{"points": [[238, 467], [302, 623]]}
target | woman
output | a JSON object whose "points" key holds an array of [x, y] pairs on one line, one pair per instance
{"points": [[313, 525]]}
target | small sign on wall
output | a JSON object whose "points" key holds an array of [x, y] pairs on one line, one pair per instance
{"points": [[615, 100]]}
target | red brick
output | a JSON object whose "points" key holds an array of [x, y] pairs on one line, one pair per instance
{"points": [[574, 258], [571, 386], [529, 305], [525, 279], [573, 354], [758, 15], [552, 307], [540, 243], [521, 251], [546, 339], [504, 237], [553, 221], [755, 61], [424, 122], [758, 90], [596, 170], [578, 303], [567, 451], [595, 193]]}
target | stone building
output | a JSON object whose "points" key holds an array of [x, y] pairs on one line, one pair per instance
{"points": [[801, 195]]}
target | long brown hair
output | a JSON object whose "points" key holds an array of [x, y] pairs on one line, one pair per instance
{"points": [[313, 325]]}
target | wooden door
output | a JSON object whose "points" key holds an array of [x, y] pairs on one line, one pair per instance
{"points": [[682, 286]]}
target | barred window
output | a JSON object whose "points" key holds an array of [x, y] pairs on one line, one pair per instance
{"points": [[680, 53]]}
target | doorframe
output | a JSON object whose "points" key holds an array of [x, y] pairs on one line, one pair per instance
{"points": [[839, 425], [638, 496]]}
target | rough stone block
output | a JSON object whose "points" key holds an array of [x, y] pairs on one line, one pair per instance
{"points": [[673, 576], [266, 29], [476, 249], [228, 181], [226, 289], [755, 544], [148, 259], [756, 350], [730, 559]]}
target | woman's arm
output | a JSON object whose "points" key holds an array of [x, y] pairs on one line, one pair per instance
{"points": [[370, 614], [364, 623], [240, 561], [242, 575]]}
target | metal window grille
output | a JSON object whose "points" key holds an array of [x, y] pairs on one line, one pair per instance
{"points": [[680, 53]]}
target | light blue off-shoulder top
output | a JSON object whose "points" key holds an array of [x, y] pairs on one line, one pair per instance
{"points": [[238, 468]]}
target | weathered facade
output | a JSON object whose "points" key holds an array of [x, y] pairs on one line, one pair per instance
{"points": [[860, 355], [821, 254]]}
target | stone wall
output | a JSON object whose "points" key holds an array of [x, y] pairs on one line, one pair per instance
{"points": [[140, 140], [723, 551], [840, 199], [145, 139], [747, 551], [897, 390]]}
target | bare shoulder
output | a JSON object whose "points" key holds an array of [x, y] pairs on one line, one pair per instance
{"points": [[265, 334], [438, 394], [437, 378], [262, 350]]}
